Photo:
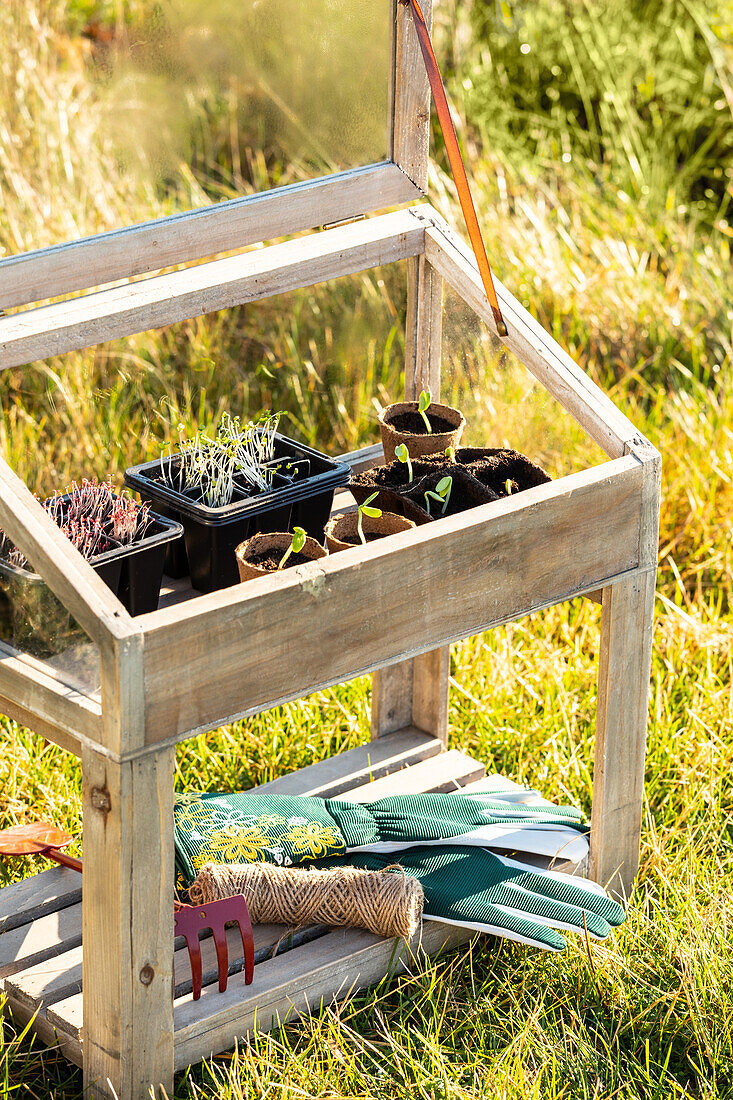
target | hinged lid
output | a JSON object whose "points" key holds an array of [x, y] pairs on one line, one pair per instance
{"points": [[319, 76]]}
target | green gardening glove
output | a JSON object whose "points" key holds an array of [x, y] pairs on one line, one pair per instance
{"points": [[473, 888], [245, 827]]}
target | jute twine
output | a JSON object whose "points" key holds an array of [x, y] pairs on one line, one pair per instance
{"points": [[388, 903]]}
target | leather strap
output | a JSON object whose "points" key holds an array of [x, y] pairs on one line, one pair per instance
{"points": [[456, 161]]}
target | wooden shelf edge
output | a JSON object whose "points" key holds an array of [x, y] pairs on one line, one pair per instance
{"points": [[355, 767]]}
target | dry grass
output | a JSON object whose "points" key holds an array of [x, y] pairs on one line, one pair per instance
{"points": [[639, 289]]}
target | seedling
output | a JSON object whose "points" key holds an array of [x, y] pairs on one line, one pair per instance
{"points": [[441, 494], [92, 518], [450, 453], [423, 405], [403, 455], [209, 465], [296, 545], [510, 486], [366, 510]]}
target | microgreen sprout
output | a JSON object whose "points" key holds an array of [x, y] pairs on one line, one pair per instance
{"points": [[441, 494], [296, 545], [92, 518], [366, 510], [403, 455], [423, 405], [510, 486], [209, 465], [451, 454]]}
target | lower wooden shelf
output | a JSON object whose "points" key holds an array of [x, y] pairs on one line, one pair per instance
{"points": [[41, 923]]}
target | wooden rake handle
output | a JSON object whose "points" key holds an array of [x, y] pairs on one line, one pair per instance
{"points": [[455, 159]]}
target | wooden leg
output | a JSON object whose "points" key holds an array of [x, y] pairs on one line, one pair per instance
{"points": [[413, 693], [127, 928], [623, 699]]}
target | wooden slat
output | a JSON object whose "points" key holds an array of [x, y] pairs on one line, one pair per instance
{"points": [[69, 1045], [334, 966], [368, 606], [49, 981], [166, 299], [332, 777], [44, 938], [60, 978], [448, 771], [411, 119], [181, 238], [364, 458], [34, 897], [536, 349]]}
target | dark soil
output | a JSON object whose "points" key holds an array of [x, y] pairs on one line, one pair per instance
{"points": [[493, 467], [270, 559], [354, 540], [395, 475], [413, 424]]}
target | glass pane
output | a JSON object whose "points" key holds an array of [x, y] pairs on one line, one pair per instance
{"points": [[118, 111], [36, 625], [504, 405]]}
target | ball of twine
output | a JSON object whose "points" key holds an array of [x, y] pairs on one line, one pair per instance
{"points": [[389, 903]]}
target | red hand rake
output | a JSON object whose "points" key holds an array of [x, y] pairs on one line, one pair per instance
{"points": [[42, 838]]}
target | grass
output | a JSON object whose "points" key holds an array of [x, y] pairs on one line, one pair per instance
{"points": [[602, 157]]}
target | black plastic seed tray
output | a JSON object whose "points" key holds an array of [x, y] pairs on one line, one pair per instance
{"points": [[36, 621], [301, 497]]}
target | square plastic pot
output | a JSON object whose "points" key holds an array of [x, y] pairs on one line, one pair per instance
{"points": [[301, 497]]}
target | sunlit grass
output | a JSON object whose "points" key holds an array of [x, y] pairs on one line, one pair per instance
{"points": [[639, 291]]}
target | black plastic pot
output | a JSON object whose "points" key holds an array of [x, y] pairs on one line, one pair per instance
{"points": [[142, 564], [301, 497], [39, 623]]}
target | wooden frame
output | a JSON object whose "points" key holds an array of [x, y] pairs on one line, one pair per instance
{"points": [[206, 660], [226, 226]]}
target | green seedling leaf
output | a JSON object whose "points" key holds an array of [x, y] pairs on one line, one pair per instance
{"points": [[441, 494], [366, 510], [296, 545], [450, 452], [423, 405], [403, 455]]}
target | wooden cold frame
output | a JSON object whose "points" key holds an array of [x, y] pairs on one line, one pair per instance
{"points": [[203, 661], [208, 659]]}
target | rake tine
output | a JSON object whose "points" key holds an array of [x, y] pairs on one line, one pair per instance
{"points": [[218, 931], [184, 927], [194, 953], [244, 925]]}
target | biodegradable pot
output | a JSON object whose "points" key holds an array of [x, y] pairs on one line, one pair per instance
{"points": [[277, 543], [391, 484], [301, 496], [396, 494], [342, 530], [467, 491], [494, 466], [402, 423]]}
